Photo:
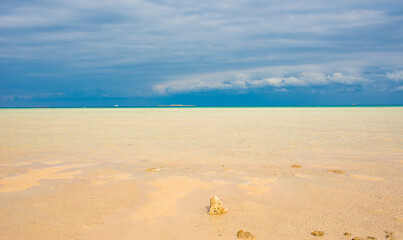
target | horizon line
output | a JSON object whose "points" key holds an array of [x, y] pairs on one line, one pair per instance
{"points": [[205, 106]]}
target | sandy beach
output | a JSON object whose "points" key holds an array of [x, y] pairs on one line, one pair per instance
{"points": [[80, 174]]}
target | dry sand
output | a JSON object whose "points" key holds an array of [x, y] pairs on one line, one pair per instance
{"points": [[81, 173]]}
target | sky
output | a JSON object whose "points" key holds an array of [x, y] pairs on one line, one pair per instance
{"points": [[205, 53]]}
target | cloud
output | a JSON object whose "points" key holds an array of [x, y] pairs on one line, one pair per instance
{"points": [[143, 31], [399, 88], [272, 77], [395, 76]]}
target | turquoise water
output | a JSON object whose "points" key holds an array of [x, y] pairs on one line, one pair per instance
{"points": [[307, 106]]}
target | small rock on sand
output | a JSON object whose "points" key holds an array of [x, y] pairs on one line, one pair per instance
{"points": [[153, 169], [296, 166], [216, 206], [336, 171], [347, 234], [318, 233], [390, 235], [372, 238], [245, 235]]}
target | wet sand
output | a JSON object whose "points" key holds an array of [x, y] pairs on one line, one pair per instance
{"points": [[81, 173]]}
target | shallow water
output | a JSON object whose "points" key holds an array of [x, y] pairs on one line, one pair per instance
{"points": [[79, 173]]}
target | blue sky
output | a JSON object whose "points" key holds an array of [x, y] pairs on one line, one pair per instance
{"points": [[144, 53]]}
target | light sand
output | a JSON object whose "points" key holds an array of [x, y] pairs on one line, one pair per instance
{"points": [[81, 173], [33, 176], [368, 178], [163, 201], [256, 185]]}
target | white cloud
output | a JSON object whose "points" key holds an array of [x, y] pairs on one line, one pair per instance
{"points": [[279, 82], [399, 88], [273, 77], [395, 76]]}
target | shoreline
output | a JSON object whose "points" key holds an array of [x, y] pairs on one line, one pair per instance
{"points": [[198, 106]]}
